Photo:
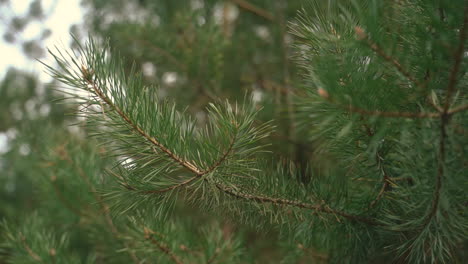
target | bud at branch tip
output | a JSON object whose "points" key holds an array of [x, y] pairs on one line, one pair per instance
{"points": [[360, 33]]}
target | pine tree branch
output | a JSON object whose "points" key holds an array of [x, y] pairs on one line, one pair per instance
{"points": [[287, 77], [215, 255], [445, 117], [223, 157], [453, 79], [353, 109], [29, 250], [199, 173], [385, 180], [278, 201], [458, 109], [88, 77], [357, 110], [440, 170], [184, 163], [361, 34], [254, 9], [190, 180], [163, 248], [197, 176], [173, 187]]}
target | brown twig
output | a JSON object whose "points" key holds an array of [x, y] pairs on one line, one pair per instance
{"points": [[436, 107], [173, 187], [215, 255], [163, 248], [458, 59], [287, 78], [440, 169], [444, 120], [278, 201], [223, 157], [354, 109], [184, 163], [29, 250], [385, 180], [190, 180], [254, 9], [199, 173], [362, 35], [458, 109]]}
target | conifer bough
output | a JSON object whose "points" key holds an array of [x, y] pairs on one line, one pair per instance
{"points": [[375, 74]]}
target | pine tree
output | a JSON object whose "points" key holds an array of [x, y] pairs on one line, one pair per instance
{"points": [[355, 152]]}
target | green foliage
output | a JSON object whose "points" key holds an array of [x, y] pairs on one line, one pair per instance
{"points": [[365, 163]]}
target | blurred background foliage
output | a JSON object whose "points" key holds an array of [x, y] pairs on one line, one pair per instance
{"points": [[326, 109], [197, 51]]}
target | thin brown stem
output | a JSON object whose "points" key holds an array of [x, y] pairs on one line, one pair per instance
{"points": [[173, 187], [361, 34], [52, 254], [440, 171], [199, 173], [215, 255], [436, 107], [163, 248], [385, 186], [445, 117], [278, 201], [453, 79], [286, 76], [184, 163], [354, 109], [458, 109], [190, 180], [223, 157], [29, 250], [254, 9]]}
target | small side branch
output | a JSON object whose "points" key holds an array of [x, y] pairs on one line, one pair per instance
{"points": [[163, 248], [445, 117], [453, 79], [215, 255], [458, 109], [354, 109], [386, 182], [184, 163], [29, 250], [361, 35], [254, 9], [278, 201], [170, 188], [223, 157]]}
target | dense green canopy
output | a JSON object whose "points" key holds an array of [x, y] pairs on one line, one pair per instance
{"points": [[243, 132]]}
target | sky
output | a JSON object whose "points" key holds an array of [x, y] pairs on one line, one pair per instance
{"points": [[63, 15]]}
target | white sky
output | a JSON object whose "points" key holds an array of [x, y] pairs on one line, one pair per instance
{"points": [[65, 14]]}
